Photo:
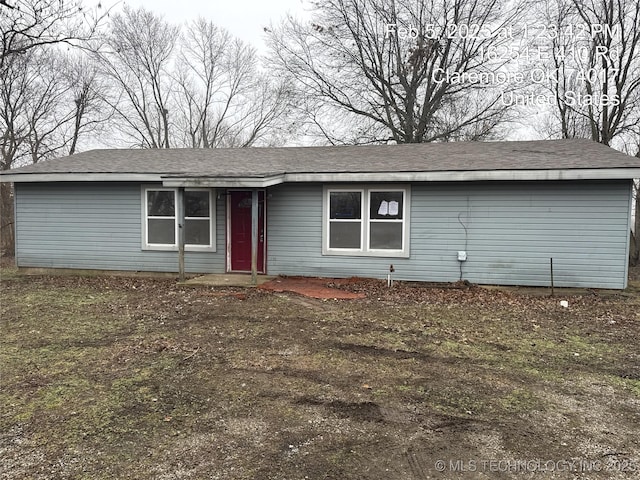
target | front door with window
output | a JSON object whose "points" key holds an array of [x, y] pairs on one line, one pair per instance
{"points": [[239, 244]]}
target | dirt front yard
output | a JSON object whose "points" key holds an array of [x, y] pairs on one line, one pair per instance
{"points": [[105, 377]]}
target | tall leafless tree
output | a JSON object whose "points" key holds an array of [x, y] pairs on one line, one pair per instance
{"points": [[137, 57], [595, 76], [595, 68], [35, 106], [49, 99], [51, 104], [90, 113], [222, 98], [34, 76], [376, 68], [187, 86]]}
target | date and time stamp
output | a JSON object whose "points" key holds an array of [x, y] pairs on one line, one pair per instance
{"points": [[509, 32], [521, 58]]}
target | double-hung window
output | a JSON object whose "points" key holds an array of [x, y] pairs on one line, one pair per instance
{"points": [[345, 219], [197, 218], [386, 220], [368, 220], [160, 219]]}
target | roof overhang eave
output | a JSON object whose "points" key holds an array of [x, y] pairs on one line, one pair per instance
{"points": [[469, 175], [223, 182], [333, 177], [80, 177]]}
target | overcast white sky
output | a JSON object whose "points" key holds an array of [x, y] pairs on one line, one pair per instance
{"points": [[245, 19]]}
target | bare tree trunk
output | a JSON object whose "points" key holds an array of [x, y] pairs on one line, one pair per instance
{"points": [[7, 225]]}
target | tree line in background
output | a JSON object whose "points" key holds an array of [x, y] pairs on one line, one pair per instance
{"points": [[359, 71], [127, 79], [356, 72]]}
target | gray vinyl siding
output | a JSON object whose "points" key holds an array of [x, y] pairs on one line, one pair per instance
{"points": [[513, 229], [96, 226]]}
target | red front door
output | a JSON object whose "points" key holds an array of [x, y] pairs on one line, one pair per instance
{"points": [[240, 230]]}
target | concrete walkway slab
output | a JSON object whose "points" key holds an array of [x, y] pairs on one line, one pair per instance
{"points": [[227, 280]]}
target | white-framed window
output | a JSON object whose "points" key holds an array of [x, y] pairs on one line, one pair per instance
{"points": [[366, 220], [160, 218]]}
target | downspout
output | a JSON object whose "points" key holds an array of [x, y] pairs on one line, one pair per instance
{"points": [[254, 236], [180, 208]]}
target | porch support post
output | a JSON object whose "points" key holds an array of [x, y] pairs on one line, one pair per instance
{"points": [[180, 213], [254, 236]]}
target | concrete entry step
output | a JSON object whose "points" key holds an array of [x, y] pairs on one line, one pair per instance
{"points": [[227, 280]]}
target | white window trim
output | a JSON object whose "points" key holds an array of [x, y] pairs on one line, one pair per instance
{"points": [[174, 247], [327, 221], [145, 220], [212, 223], [364, 250]]}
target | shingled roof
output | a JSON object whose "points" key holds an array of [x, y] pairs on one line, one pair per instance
{"points": [[347, 162]]}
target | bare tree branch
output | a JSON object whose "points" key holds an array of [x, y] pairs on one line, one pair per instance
{"points": [[598, 93], [137, 57], [29, 24], [382, 62], [223, 100]]}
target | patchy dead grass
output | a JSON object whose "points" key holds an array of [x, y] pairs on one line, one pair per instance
{"points": [[140, 378]]}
